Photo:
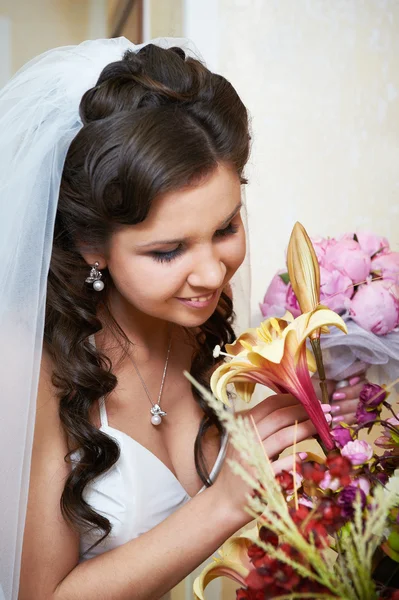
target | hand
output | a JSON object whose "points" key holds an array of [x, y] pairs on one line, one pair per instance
{"points": [[275, 419], [345, 398], [344, 394]]}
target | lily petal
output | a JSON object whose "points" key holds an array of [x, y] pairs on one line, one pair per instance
{"points": [[219, 568]]}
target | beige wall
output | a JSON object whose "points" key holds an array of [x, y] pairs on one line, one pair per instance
{"points": [[321, 80], [43, 24]]}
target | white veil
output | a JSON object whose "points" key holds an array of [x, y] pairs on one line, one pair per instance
{"points": [[38, 119]]}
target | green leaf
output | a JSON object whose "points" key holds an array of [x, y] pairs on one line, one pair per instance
{"points": [[285, 277]]}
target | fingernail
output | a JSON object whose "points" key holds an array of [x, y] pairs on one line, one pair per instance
{"points": [[326, 408], [339, 396], [335, 408], [354, 380], [328, 418], [337, 419], [303, 455]]}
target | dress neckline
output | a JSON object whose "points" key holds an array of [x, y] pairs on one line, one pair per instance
{"points": [[104, 427]]}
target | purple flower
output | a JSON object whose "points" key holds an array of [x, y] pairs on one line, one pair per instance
{"points": [[372, 395], [347, 498], [341, 435], [358, 452], [364, 416]]}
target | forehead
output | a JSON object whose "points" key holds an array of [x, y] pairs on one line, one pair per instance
{"points": [[207, 203]]}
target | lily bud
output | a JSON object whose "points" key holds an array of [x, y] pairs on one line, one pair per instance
{"points": [[303, 269]]}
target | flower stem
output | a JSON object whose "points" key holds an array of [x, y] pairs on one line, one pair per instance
{"points": [[315, 342]]}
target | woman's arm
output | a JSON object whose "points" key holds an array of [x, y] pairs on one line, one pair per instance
{"points": [[152, 564]]}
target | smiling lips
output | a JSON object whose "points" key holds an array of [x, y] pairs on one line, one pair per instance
{"points": [[198, 302]]}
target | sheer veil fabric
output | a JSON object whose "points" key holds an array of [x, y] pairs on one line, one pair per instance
{"points": [[38, 119]]}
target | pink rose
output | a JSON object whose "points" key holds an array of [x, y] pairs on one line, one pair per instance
{"points": [[336, 289], [274, 301], [371, 243], [320, 246], [358, 452], [347, 256], [375, 307], [291, 302], [387, 265]]}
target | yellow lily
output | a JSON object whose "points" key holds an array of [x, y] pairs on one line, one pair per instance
{"points": [[233, 563], [275, 355]]}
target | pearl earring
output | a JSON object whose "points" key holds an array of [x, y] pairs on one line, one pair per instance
{"points": [[95, 278]]}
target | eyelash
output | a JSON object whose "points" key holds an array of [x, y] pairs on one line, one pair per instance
{"points": [[169, 256]]}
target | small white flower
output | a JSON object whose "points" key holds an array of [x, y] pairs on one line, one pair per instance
{"points": [[329, 483], [216, 351]]}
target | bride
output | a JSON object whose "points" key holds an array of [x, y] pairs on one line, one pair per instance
{"points": [[121, 186]]}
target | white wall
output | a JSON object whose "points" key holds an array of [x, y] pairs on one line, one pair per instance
{"points": [[321, 81]]}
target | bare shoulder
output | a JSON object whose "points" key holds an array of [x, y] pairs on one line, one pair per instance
{"points": [[50, 547]]}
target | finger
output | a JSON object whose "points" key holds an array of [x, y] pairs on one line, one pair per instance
{"points": [[287, 463], [276, 443], [347, 419], [349, 392], [270, 404], [344, 407], [282, 418]]}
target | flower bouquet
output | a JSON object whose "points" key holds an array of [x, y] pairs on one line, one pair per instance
{"points": [[359, 279], [329, 528]]}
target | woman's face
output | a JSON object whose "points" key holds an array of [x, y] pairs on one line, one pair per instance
{"points": [[174, 265]]}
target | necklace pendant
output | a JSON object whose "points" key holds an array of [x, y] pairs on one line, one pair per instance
{"points": [[157, 414]]}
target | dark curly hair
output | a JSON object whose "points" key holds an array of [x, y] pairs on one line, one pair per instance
{"points": [[155, 121]]}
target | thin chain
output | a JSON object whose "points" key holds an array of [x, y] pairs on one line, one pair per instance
{"points": [[163, 375]]}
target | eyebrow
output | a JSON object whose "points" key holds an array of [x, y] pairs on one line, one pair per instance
{"points": [[180, 240]]}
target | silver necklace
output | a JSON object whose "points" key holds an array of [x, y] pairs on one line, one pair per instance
{"points": [[156, 411]]}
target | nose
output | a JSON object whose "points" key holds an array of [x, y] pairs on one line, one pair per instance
{"points": [[208, 272]]}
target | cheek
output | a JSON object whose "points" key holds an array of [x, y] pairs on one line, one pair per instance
{"points": [[234, 252], [143, 280]]}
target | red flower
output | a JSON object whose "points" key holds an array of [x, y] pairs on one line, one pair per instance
{"points": [[255, 580], [254, 552], [268, 536], [285, 480], [298, 515], [339, 467], [314, 528], [312, 471], [330, 514], [249, 595], [307, 586]]}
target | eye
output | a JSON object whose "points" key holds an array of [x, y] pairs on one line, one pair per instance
{"points": [[231, 229], [167, 256]]}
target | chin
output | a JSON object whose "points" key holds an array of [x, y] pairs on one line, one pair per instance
{"points": [[192, 321]]}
